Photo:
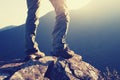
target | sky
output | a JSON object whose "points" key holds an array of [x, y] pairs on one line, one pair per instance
{"points": [[14, 12]]}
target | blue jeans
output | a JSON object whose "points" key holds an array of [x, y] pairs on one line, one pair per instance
{"points": [[60, 28]]}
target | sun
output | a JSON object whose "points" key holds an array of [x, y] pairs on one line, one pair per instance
{"points": [[77, 4], [72, 5]]}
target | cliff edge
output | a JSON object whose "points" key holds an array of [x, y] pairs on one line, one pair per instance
{"points": [[49, 68]]}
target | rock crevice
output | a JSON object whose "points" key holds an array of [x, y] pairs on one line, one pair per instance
{"points": [[50, 68]]}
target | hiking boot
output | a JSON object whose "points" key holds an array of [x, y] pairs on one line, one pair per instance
{"points": [[35, 56], [65, 53]]}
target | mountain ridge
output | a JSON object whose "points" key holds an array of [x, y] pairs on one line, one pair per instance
{"points": [[97, 41]]}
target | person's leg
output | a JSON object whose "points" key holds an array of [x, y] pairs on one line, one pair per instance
{"points": [[31, 26], [60, 29]]}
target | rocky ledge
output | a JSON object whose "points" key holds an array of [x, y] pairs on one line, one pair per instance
{"points": [[49, 68]]}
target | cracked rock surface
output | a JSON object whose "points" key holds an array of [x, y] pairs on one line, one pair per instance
{"points": [[50, 68]]}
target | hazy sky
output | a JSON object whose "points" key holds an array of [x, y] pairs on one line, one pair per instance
{"points": [[11, 11], [14, 12]]}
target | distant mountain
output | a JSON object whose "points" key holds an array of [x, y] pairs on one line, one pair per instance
{"points": [[96, 37], [6, 28], [12, 40]]}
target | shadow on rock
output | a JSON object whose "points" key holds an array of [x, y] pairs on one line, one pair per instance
{"points": [[50, 68]]}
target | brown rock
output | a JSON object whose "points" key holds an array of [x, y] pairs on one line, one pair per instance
{"points": [[52, 68]]}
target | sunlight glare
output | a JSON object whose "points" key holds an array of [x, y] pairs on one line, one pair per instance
{"points": [[15, 12], [77, 4]]}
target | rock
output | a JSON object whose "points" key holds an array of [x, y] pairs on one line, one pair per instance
{"points": [[73, 69], [33, 70], [53, 68]]}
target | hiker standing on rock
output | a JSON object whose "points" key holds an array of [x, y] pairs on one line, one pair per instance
{"points": [[60, 48]]}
